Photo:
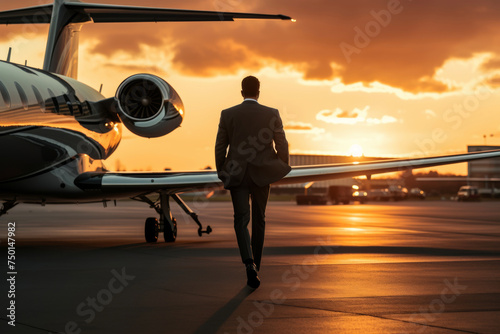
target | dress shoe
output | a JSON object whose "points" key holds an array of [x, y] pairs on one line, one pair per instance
{"points": [[253, 280]]}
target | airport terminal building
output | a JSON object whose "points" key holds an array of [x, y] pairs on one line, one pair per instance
{"points": [[310, 159], [487, 168]]}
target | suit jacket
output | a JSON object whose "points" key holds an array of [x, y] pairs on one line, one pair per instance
{"points": [[249, 130]]}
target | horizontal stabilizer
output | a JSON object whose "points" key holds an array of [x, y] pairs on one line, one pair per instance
{"points": [[37, 14], [115, 13]]}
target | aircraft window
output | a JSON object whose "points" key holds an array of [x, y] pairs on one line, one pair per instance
{"points": [[5, 94], [39, 98], [88, 108], [22, 95], [78, 104], [54, 101], [70, 105], [80, 108], [75, 104]]}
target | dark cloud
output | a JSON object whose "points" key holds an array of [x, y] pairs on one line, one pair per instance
{"points": [[119, 39], [210, 61], [401, 50]]}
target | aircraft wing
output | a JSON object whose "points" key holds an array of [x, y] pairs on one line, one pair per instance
{"points": [[133, 184], [459, 179]]}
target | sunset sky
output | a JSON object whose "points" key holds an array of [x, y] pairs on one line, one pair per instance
{"points": [[399, 78]]}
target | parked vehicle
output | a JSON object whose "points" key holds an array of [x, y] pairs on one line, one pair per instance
{"points": [[379, 195], [416, 193], [336, 195], [468, 193], [360, 195], [340, 194], [398, 193], [315, 199]]}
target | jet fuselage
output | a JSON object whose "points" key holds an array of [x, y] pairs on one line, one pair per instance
{"points": [[48, 121]]}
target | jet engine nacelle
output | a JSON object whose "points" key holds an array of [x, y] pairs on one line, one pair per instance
{"points": [[149, 106]]}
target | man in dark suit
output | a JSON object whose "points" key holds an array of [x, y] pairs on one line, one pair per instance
{"points": [[249, 166]]}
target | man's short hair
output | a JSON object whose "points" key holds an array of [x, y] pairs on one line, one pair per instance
{"points": [[250, 86]]}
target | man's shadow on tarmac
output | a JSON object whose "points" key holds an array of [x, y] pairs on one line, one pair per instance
{"points": [[212, 325]]}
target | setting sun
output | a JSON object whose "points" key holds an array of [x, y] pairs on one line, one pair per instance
{"points": [[356, 151]]}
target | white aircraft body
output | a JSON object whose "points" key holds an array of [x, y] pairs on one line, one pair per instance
{"points": [[55, 132]]}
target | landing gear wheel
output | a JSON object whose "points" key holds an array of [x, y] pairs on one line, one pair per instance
{"points": [[151, 229], [170, 234]]}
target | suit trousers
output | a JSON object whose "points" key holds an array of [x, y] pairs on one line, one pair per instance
{"points": [[241, 196]]}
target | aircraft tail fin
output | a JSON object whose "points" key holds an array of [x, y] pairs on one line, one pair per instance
{"points": [[61, 53]]}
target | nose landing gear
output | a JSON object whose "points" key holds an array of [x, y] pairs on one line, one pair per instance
{"points": [[167, 223]]}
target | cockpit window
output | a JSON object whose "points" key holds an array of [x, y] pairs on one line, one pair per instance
{"points": [[5, 94], [22, 95]]}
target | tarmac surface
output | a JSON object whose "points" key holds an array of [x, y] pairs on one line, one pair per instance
{"points": [[405, 267]]}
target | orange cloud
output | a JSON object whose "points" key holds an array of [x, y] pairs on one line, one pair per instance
{"points": [[301, 127], [492, 64], [138, 68], [352, 117], [347, 114], [494, 82], [401, 50]]}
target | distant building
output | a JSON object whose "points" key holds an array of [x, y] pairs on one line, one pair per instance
{"points": [[487, 168], [308, 160]]}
